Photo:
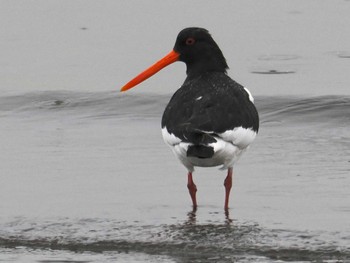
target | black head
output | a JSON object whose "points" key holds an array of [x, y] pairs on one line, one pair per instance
{"points": [[196, 48], [199, 51]]}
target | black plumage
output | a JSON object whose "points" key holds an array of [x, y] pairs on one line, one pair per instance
{"points": [[209, 104]]}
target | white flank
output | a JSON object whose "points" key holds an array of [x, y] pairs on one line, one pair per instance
{"points": [[227, 149], [241, 137], [251, 98]]}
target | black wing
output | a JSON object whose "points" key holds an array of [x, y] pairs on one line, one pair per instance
{"points": [[210, 104]]}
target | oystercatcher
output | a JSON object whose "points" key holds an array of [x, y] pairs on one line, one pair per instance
{"points": [[211, 119]]}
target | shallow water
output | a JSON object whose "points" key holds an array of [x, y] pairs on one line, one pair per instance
{"points": [[87, 178]]}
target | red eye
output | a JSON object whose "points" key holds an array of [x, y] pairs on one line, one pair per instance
{"points": [[190, 41]]}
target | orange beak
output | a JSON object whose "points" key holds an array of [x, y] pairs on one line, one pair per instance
{"points": [[167, 60]]}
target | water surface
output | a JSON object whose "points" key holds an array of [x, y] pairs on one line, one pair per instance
{"points": [[87, 178]]}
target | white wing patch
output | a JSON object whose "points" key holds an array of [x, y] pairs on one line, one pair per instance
{"points": [[251, 98], [241, 137], [170, 139]]}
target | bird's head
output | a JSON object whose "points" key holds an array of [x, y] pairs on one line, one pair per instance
{"points": [[199, 51], [196, 48]]}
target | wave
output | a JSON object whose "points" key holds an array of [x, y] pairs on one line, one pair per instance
{"points": [[182, 241], [102, 104], [114, 104], [322, 109]]}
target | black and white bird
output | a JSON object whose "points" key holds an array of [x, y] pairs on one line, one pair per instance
{"points": [[211, 119]]}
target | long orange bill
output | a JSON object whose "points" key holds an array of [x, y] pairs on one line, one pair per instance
{"points": [[167, 60]]}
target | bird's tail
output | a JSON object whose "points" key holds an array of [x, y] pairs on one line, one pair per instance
{"points": [[200, 147], [200, 151]]}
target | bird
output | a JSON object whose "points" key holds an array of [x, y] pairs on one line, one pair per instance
{"points": [[211, 119]]}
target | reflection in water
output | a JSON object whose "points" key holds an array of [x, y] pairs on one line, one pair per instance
{"points": [[227, 217], [192, 217]]}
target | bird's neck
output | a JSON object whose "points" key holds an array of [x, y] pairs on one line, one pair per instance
{"points": [[205, 65], [194, 71]]}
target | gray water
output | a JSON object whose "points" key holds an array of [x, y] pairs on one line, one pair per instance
{"points": [[86, 177]]}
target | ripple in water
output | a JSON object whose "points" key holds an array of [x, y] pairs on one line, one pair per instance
{"points": [[182, 241]]}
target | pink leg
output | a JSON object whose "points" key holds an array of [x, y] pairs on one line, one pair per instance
{"points": [[192, 188], [228, 186]]}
